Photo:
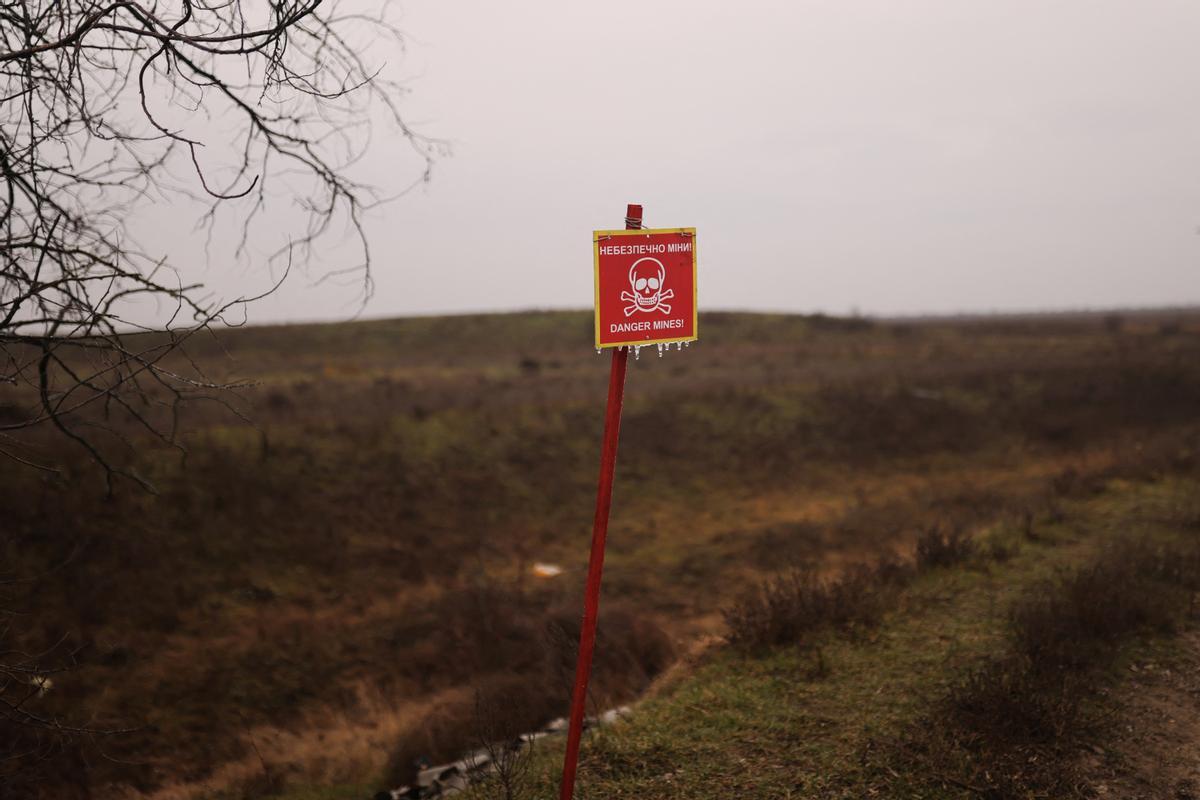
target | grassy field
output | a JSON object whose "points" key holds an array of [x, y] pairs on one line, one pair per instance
{"points": [[315, 599], [875, 710]]}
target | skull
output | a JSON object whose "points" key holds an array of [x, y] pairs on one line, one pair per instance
{"points": [[646, 279]]}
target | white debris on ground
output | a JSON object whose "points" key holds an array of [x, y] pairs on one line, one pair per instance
{"points": [[448, 779], [543, 570]]}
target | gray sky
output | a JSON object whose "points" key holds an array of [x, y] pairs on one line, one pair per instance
{"points": [[894, 157]]}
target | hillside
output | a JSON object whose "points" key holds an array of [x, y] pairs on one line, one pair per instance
{"points": [[315, 597], [1058, 657]]}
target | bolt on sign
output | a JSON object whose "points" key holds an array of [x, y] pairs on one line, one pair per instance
{"points": [[645, 286]]}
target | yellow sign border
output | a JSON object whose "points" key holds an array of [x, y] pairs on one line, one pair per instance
{"points": [[599, 236]]}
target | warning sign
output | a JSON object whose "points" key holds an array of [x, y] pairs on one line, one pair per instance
{"points": [[645, 286]]}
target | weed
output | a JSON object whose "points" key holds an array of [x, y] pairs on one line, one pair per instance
{"points": [[507, 757], [519, 648], [407, 455], [940, 548], [820, 667], [1006, 699], [1000, 550], [1004, 725], [787, 608], [1071, 623]]}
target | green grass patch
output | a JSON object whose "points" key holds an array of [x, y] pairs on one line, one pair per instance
{"points": [[822, 719]]}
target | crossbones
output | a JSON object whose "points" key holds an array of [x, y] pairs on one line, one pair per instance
{"points": [[646, 278]]}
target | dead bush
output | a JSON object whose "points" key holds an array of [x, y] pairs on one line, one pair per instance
{"points": [[1005, 725], [1005, 699], [1001, 551], [517, 649], [505, 756], [1071, 623], [937, 547], [787, 608]]}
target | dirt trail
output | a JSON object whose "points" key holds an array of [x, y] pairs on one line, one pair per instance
{"points": [[1155, 751]]}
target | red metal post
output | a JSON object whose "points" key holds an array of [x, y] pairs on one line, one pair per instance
{"points": [[591, 596]]}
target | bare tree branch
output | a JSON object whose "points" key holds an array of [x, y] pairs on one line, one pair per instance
{"points": [[103, 106]]}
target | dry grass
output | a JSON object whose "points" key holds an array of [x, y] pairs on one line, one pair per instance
{"points": [[405, 469], [943, 548], [788, 608], [324, 746], [1010, 727], [535, 683]]}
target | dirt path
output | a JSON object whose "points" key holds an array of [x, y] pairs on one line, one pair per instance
{"points": [[1155, 750]]}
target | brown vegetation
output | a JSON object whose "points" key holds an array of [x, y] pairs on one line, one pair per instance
{"points": [[1013, 725], [787, 608], [373, 536], [518, 652], [941, 548]]}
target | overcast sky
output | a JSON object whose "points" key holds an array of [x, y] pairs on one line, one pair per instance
{"points": [[890, 157]]}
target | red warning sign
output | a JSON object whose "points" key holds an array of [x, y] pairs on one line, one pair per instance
{"points": [[645, 286]]}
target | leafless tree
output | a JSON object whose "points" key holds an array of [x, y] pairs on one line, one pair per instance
{"points": [[108, 106], [503, 755]]}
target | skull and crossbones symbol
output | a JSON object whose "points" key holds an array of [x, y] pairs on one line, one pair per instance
{"points": [[646, 278]]}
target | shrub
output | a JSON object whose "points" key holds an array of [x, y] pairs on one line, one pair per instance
{"points": [[1003, 699], [517, 650], [940, 548], [1001, 551], [787, 608], [1002, 721], [1073, 622]]}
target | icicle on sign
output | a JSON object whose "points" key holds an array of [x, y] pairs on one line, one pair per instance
{"points": [[645, 286]]}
